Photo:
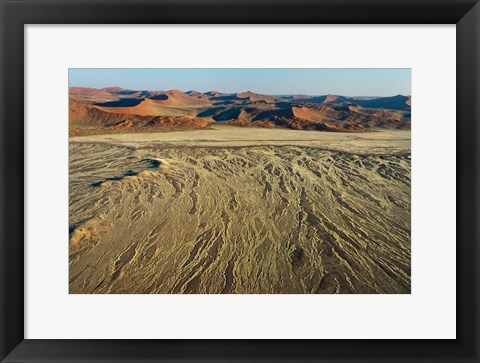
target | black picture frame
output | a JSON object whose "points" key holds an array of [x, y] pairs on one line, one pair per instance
{"points": [[15, 14]]}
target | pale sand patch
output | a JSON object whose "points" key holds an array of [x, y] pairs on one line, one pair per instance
{"points": [[391, 141]]}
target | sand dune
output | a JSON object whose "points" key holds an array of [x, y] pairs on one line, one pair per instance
{"points": [[103, 107], [95, 118], [240, 211], [178, 98], [333, 98], [397, 102], [306, 113], [93, 94], [197, 94], [255, 97], [150, 107]]}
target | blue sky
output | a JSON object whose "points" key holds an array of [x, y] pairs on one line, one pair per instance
{"points": [[273, 81]]}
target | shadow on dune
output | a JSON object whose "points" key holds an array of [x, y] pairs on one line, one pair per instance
{"points": [[159, 98], [211, 111], [123, 102]]}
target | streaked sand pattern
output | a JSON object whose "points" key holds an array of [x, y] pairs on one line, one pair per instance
{"points": [[237, 210]]}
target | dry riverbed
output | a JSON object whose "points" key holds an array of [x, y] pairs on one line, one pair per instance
{"points": [[240, 210]]}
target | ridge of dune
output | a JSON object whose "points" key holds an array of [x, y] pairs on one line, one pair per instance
{"points": [[197, 94], [91, 94], [178, 98], [144, 108], [331, 98], [112, 89], [216, 94], [255, 97]]}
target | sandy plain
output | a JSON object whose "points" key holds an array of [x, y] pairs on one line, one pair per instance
{"points": [[240, 210]]}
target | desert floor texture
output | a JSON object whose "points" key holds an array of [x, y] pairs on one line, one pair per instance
{"points": [[240, 210]]}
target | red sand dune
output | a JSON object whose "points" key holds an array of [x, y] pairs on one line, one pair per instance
{"points": [[113, 89], [299, 97], [144, 108], [92, 94], [177, 98], [255, 97], [114, 107], [331, 98], [162, 104], [309, 114], [197, 94], [216, 94]]}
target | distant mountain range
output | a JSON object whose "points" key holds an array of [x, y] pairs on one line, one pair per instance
{"points": [[118, 108]]}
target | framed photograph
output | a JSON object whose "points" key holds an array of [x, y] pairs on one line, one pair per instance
{"points": [[242, 181]]}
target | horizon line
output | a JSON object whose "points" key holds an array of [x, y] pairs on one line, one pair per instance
{"points": [[232, 93]]}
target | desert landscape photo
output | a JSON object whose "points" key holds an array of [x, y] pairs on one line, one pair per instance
{"points": [[239, 181]]}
